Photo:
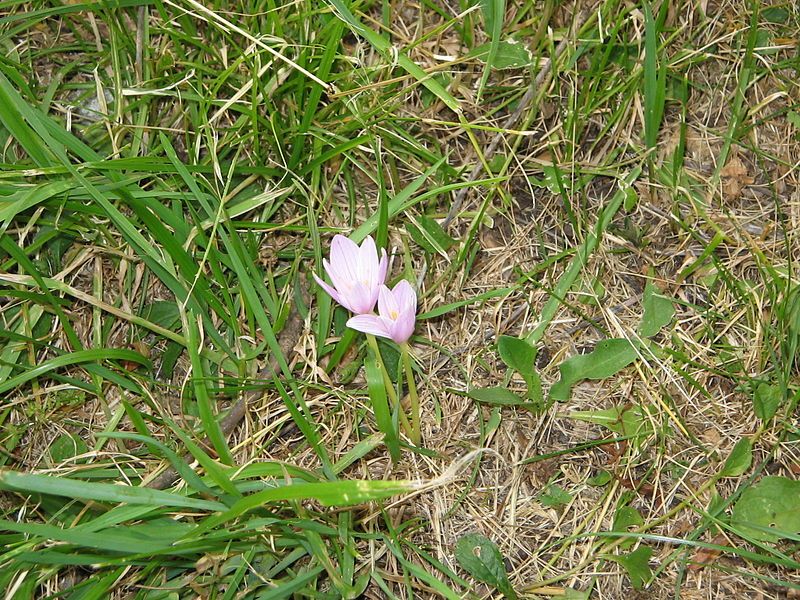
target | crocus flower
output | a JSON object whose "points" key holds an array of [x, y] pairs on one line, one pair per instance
{"points": [[356, 273], [397, 313]]}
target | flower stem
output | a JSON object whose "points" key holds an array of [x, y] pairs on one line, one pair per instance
{"points": [[416, 435], [387, 382]]}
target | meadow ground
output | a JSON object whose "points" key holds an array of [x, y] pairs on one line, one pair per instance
{"points": [[597, 201]]}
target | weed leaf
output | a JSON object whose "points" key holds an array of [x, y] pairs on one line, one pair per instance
{"points": [[430, 236], [629, 421], [517, 354], [608, 358], [740, 459], [766, 400], [554, 495], [510, 54], [768, 511], [658, 311], [480, 557], [497, 396], [637, 564]]}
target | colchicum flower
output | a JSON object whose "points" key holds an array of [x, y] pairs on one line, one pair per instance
{"points": [[356, 272], [397, 314]]}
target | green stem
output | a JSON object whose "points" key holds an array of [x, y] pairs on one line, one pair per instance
{"points": [[387, 382], [416, 435]]}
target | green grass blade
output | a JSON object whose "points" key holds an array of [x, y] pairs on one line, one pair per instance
{"points": [[208, 419], [328, 493], [581, 258], [384, 47], [654, 80], [380, 407], [100, 492], [74, 358]]}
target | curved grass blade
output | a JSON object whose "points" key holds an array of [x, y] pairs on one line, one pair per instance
{"points": [[100, 492], [74, 358], [346, 492], [384, 47]]}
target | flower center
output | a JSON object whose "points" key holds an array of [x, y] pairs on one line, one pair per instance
{"points": [[393, 315]]}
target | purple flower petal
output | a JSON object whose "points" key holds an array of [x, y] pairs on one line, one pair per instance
{"points": [[387, 304], [369, 324], [403, 327], [367, 263], [355, 272], [328, 289], [398, 310], [405, 296], [383, 266], [344, 258], [361, 298]]}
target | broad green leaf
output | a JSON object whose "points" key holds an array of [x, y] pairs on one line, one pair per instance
{"points": [[498, 396], [775, 14], [637, 564], [608, 358], [658, 311], [629, 420], [480, 557], [599, 480], [740, 459], [66, 446], [430, 235], [625, 518], [794, 119], [769, 510], [164, 313], [766, 400], [517, 354], [764, 43], [554, 495], [510, 54]]}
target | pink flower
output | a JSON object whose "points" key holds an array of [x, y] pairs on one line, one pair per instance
{"points": [[356, 273], [397, 313]]}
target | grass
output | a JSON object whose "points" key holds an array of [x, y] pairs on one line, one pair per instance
{"points": [[183, 412]]}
